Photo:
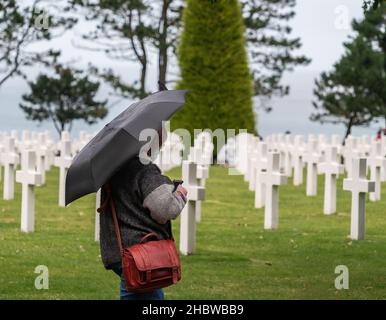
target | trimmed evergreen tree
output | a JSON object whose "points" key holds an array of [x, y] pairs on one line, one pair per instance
{"points": [[214, 67]]}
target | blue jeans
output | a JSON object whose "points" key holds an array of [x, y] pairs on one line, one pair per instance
{"points": [[157, 294]]}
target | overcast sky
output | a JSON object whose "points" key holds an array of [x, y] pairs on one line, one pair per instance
{"points": [[322, 25]]}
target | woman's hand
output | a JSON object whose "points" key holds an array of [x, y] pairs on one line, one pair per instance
{"points": [[182, 191]]}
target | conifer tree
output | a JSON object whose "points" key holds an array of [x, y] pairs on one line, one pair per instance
{"points": [[214, 67]]}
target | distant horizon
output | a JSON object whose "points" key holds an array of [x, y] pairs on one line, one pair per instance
{"points": [[299, 101], [322, 41]]}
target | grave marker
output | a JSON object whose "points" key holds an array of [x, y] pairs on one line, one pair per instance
{"points": [[10, 159], [29, 178], [188, 214], [297, 155], [312, 158], [359, 186], [331, 168], [261, 165], [272, 179], [63, 162], [376, 163]]}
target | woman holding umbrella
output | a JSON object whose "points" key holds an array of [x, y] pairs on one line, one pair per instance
{"points": [[145, 202], [138, 201]]}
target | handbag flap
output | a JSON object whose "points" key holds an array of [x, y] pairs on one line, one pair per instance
{"points": [[154, 255]]}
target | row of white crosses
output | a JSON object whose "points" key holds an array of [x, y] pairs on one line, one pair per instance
{"points": [[37, 154], [287, 154], [267, 176]]}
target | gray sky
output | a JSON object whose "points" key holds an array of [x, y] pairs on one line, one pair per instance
{"points": [[322, 25]]}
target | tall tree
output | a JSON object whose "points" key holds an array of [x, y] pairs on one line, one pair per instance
{"points": [[66, 96], [131, 31], [271, 48], [23, 23], [214, 66], [354, 92], [343, 95], [372, 30]]}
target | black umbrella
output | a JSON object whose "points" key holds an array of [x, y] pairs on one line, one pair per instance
{"points": [[118, 142]]}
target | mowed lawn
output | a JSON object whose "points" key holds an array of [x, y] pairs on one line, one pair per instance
{"points": [[235, 258]]}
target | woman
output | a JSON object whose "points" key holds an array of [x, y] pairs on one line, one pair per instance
{"points": [[145, 201]]}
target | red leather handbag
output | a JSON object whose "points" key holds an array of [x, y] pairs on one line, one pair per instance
{"points": [[150, 264]]}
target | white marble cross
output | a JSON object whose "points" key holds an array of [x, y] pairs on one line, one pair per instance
{"points": [[42, 153], [364, 146], [287, 147], [252, 159], [241, 152], [350, 152], [65, 136], [197, 156], [376, 163], [50, 159], [336, 142], [202, 175], [297, 156], [10, 159], [29, 178], [312, 158], [331, 168], [249, 148], [261, 165], [383, 170], [272, 179], [359, 186], [2, 139], [25, 142], [63, 162], [188, 214]]}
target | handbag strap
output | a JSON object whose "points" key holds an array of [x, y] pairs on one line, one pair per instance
{"points": [[109, 200]]}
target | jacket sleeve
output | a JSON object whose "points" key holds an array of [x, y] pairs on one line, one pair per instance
{"points": [[158, 196]]}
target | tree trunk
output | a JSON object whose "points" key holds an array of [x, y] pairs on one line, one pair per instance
{"points": [[143, 80], [163, 47], [348, 129]]}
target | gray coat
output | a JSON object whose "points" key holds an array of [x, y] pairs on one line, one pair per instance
{"points": [[145, 202]]}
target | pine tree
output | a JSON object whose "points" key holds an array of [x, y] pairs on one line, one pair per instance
{"points": [[66, 96], [214, 67], [372, 30], [341, 95], [271, 46], [353, 93]]}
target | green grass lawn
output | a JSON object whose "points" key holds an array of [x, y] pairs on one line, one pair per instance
{"points": [[235, 258]]}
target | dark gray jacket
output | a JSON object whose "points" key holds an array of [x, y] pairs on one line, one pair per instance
{"points": [[144, 202]]}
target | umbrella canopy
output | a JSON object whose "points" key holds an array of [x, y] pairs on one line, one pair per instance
{"points": [[118, 142]]}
